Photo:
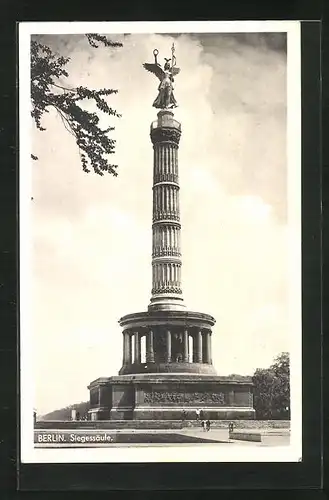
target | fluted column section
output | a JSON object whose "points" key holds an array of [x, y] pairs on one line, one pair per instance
{"points": [[166, 254]]}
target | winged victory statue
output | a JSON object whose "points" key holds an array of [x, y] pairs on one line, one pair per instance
{"points": [[165, 98]]}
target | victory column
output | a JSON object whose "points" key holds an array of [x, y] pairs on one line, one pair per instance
{"points": [[175, 374]]}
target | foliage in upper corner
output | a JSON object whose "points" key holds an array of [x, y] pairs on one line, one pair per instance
{"points": [[94, 143]]}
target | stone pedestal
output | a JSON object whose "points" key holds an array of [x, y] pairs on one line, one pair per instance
{"points": [[167, 396]]}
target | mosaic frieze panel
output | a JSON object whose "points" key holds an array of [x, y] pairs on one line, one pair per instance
{"points": [[185, 397]]}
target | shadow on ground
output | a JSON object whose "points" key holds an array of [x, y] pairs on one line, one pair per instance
{"points": [[162, 438]]}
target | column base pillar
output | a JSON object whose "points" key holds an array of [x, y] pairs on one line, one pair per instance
{"points": [[165, 303]]}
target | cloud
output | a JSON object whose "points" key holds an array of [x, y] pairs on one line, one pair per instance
{"points": [[92, 236]]}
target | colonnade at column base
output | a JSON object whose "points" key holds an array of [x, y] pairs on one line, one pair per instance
{"points": [[168, 341], [177, 376]]}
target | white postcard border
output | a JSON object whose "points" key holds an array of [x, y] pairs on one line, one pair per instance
{"points": [[190, 453]]}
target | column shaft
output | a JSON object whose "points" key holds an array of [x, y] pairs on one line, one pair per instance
{"points": [[186, 353], [194, 348], [124, 349], [149, 347], [129, 349], [208, 337], [163, 203], [156, 161], [160, 167], [168, 346], [204, 346], [165, 199], [137, 348], [165, 151], [176, 163], [199, 347]]}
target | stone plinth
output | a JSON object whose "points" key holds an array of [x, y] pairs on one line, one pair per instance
{"points": [[172, 397]]}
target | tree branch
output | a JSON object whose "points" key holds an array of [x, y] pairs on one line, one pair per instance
{"points": [[63, 88], [65, 120]]}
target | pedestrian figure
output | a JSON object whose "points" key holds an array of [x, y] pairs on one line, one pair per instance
{"points": [[208, 425], [231, 427], [197, 414], [203, 424], [184, 415]]}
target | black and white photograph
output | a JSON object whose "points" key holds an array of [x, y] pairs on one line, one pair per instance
{"points": [[160, 241]]}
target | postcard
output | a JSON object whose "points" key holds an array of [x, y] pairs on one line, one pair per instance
{"points": [[160, 241]]}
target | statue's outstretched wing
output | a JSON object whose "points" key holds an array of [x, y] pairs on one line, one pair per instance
{"points": [[175, 71], [155, 69]]}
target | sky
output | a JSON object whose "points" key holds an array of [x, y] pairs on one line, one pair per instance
{"points": [[91, 235]]}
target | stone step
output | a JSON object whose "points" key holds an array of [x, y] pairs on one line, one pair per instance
{"points": [[108, 424], [157, 424]]}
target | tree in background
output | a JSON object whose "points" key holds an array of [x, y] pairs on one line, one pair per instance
{"points": [[65, 413], [47, 72], [272, 389]]}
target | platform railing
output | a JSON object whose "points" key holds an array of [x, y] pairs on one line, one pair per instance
{"points": [[167, 124]]}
